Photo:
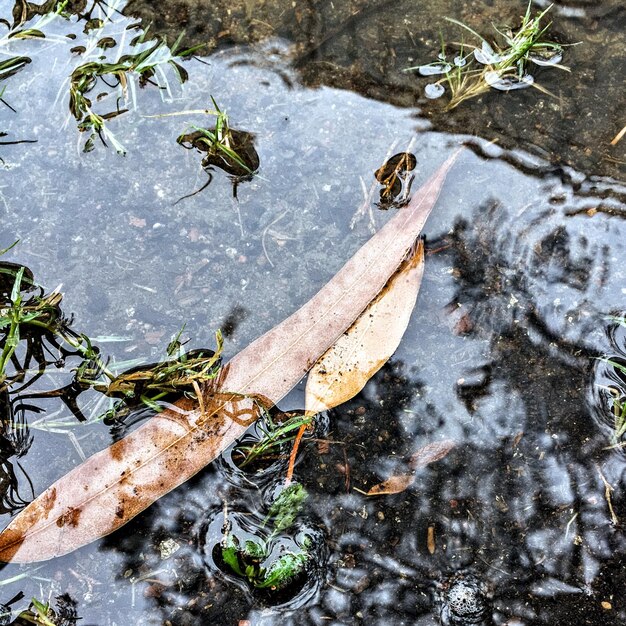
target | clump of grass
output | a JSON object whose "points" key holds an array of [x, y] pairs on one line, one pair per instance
{"points": [[42, 614], [12, 64], [618, 404], [143, 65], [503, 65], [252, 556], [274, 436], [619, 412], [32, 319], [226, 148]]}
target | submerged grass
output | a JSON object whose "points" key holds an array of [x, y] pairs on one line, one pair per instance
{"points": [[252, 556], [504, 65], [274, 436], [231, 150], [33, 320], [143, 65], [12, 64], [115, 76]]}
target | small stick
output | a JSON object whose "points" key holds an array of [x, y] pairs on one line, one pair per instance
{"points": [[294, 452], [618, 136], [607, 495]]}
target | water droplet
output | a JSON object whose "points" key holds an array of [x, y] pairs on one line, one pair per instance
{"points": [[508, 83], [434, 91], [433, 69]]}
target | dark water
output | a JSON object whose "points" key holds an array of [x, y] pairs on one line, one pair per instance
{"points": [[522, 523]]}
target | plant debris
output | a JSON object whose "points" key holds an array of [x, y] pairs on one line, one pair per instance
{"points": [[476, 68]]}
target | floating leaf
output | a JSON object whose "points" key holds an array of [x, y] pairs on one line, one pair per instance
{"points": [[114, 485], [369, 343]]}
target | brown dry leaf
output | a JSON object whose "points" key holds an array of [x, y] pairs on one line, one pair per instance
{"points": [[112, 486], [424, 456], [394, 484], [368, 344]]}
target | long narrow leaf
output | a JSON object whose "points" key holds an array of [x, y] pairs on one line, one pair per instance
{"points": [[114, 485]]}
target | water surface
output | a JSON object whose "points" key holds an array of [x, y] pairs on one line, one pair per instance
{"points": [[525, 263]]}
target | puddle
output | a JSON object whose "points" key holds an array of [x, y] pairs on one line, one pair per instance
{"points": [[522, 522]]}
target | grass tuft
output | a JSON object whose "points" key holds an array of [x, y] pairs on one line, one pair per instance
{"points": [[503, 65]]}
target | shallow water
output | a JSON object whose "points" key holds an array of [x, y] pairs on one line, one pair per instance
{"points": [[522, 522]]}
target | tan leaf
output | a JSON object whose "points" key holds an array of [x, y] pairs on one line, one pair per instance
{"points": [[368, 344], [114, 485], [431, 452], [394, 484]]}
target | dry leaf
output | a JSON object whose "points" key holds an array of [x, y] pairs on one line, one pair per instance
{"points": [[424, 456], [114, 485], [342, 371], [369, 343], [430, 453], [395, 484]]}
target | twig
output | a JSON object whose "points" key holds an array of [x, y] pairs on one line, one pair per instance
{"points": [[294, 452], [619, 135], [573, 518], [607, 496], [266, 230]]}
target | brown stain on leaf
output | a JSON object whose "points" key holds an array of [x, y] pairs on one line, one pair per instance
{"points": [[47, 501], [10, 543], [71, 518], [117, 449]]}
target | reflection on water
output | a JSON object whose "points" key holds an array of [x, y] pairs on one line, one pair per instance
{"points": [[520, 524]]}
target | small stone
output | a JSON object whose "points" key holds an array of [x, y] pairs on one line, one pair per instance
{"points": [[167, 547]]}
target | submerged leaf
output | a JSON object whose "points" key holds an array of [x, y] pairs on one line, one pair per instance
{"points": [[424, 456], [287, 506], [114, 485], [431, 452]]}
